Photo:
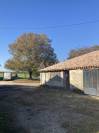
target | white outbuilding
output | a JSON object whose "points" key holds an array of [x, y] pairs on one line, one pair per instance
{"points": [[8, 74]]}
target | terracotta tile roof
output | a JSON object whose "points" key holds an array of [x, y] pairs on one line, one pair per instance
{"points": [[86, 61]]}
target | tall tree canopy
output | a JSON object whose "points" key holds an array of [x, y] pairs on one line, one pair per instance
{"points": [[31, 52], [77, 52]]}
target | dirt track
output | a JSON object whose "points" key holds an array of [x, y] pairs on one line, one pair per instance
{"points": [[19, 83]]}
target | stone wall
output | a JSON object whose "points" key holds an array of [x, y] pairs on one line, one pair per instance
{"points": [[59, 79], [76, 79]]}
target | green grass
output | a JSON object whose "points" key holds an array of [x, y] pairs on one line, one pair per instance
{"points": [[25, 75], [22, 75]]}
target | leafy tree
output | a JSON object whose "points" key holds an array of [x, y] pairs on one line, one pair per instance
{"points": [[77, 52], [31, 52]]}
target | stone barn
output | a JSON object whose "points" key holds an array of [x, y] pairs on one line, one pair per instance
{"points": [[80, 72]]}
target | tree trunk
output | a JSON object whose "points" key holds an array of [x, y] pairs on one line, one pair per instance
{"points": [[30, 74]]}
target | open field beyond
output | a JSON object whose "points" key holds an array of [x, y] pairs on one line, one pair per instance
{"points": [[28, 109]]}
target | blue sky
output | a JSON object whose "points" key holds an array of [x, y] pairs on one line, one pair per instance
{"points": [[19, 16]]}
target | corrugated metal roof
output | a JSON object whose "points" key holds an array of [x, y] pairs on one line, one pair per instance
{"points": [[86, 61]]}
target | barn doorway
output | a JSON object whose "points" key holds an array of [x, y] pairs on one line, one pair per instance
{"points": [[91, 82]]}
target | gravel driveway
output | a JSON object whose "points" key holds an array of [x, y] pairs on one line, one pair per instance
{"points": [[19, 83]]}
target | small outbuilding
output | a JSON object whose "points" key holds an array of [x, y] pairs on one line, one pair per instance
{"points": [[8, 74], [80, 72]]}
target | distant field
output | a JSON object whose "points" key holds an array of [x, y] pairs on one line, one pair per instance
{"points": [[21, 75], [25, 75]]}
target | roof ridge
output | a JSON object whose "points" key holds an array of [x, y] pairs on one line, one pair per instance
{"points": [[84, 60]]}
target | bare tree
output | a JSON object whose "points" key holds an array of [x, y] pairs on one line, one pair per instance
{"points": [[77, 52]]}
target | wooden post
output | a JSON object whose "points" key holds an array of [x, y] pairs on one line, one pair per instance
{"points": [[66, 79]]}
